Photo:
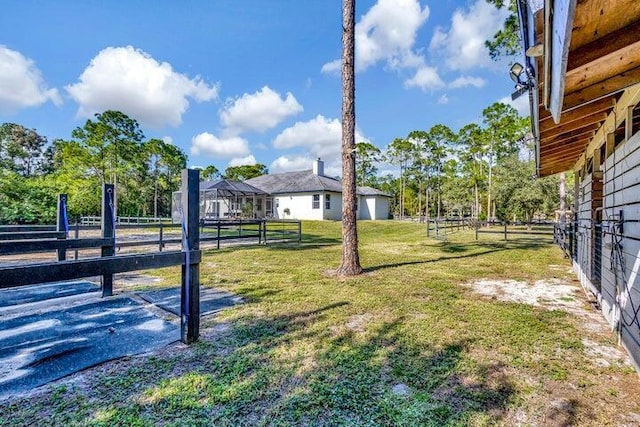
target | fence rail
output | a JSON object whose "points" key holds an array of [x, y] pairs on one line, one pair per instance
{"points": [[518, 229], [28, 239]]}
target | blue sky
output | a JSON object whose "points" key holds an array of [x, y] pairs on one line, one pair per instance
{"points": [[238, 81]]}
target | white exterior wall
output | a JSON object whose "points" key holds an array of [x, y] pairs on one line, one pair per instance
{"points": [[335, 213], [299, 205], [374, 207], [622, 194]]}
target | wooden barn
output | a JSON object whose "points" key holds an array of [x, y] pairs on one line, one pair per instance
{"points": [[582, 74]]}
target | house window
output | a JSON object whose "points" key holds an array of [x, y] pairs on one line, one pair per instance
{"points": [[277, 203], [327, 201], [259, 205], [316, 201]]}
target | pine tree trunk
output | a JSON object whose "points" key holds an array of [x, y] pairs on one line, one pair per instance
{"points": [[350, 265]]}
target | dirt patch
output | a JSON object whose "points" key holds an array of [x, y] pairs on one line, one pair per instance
{"points": [[558, 294]]}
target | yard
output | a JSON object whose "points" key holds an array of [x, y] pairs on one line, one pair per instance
{"points": [[435, 333]]}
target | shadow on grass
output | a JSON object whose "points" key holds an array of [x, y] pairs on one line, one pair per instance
{"points": [[487, 248], [292, 370]]}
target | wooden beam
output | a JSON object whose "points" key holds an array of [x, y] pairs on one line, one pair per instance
{"points": [[603, 68], [630, 97], [588, 131], [586, 119], [584, 122], [604, 46], [563, 154], [608, 87], [582, 143], [599, 105]]}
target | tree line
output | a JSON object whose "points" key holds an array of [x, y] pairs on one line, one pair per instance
{"points": [[110, 148], [485, 170]]}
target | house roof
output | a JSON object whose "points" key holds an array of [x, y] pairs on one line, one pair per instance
{"points": [[590, 64], [295, 182], [304, 182], [227, 187], [370, 191]]}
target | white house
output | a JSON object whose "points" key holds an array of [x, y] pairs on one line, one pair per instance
{"points": [[309, 194]]}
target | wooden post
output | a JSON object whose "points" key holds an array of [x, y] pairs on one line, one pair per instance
{"points": [[476, 227], [108, 232], [264, 231], [62, 224], [218, 236], [190, 295], [428, 226], [299, 231], [160, 244], [505, 231]]}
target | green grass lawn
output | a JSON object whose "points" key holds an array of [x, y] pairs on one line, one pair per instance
{"points": [[407, 343]]}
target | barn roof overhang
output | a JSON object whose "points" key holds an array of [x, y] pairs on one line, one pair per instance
{"points": [[589, 65]]}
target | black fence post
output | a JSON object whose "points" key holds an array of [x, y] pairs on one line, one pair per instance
{"points": [[108, 232], [477, 226], [190, 295], [299, 231], [264, 231], [62, 224], [218, 236], [505, 231], [160, 235], [76, 234]]}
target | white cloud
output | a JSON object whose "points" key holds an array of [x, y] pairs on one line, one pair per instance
{"points": [[443, 100], [130, 80], [21, 83], [463, 45], [227, 148], [464, 81], [288, 164], [243, 161], [258, 112], [332, 67], [426, 78], [521, 104], [318, 137], [387, 33], [167, 139]]}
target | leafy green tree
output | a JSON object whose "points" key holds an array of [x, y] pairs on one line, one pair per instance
{"points": [[506, 41], [437, 147], [470, 150], [209, 173], [504, 128], [244, 172], [112, 140], [367, 155], [20, 149], [399, 152], [164, 163]]}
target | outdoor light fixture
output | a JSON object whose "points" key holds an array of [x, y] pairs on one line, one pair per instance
{"points": [[523, 83]]}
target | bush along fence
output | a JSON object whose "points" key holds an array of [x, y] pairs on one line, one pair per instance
{"points": [[516, 230], [21, 240]]}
